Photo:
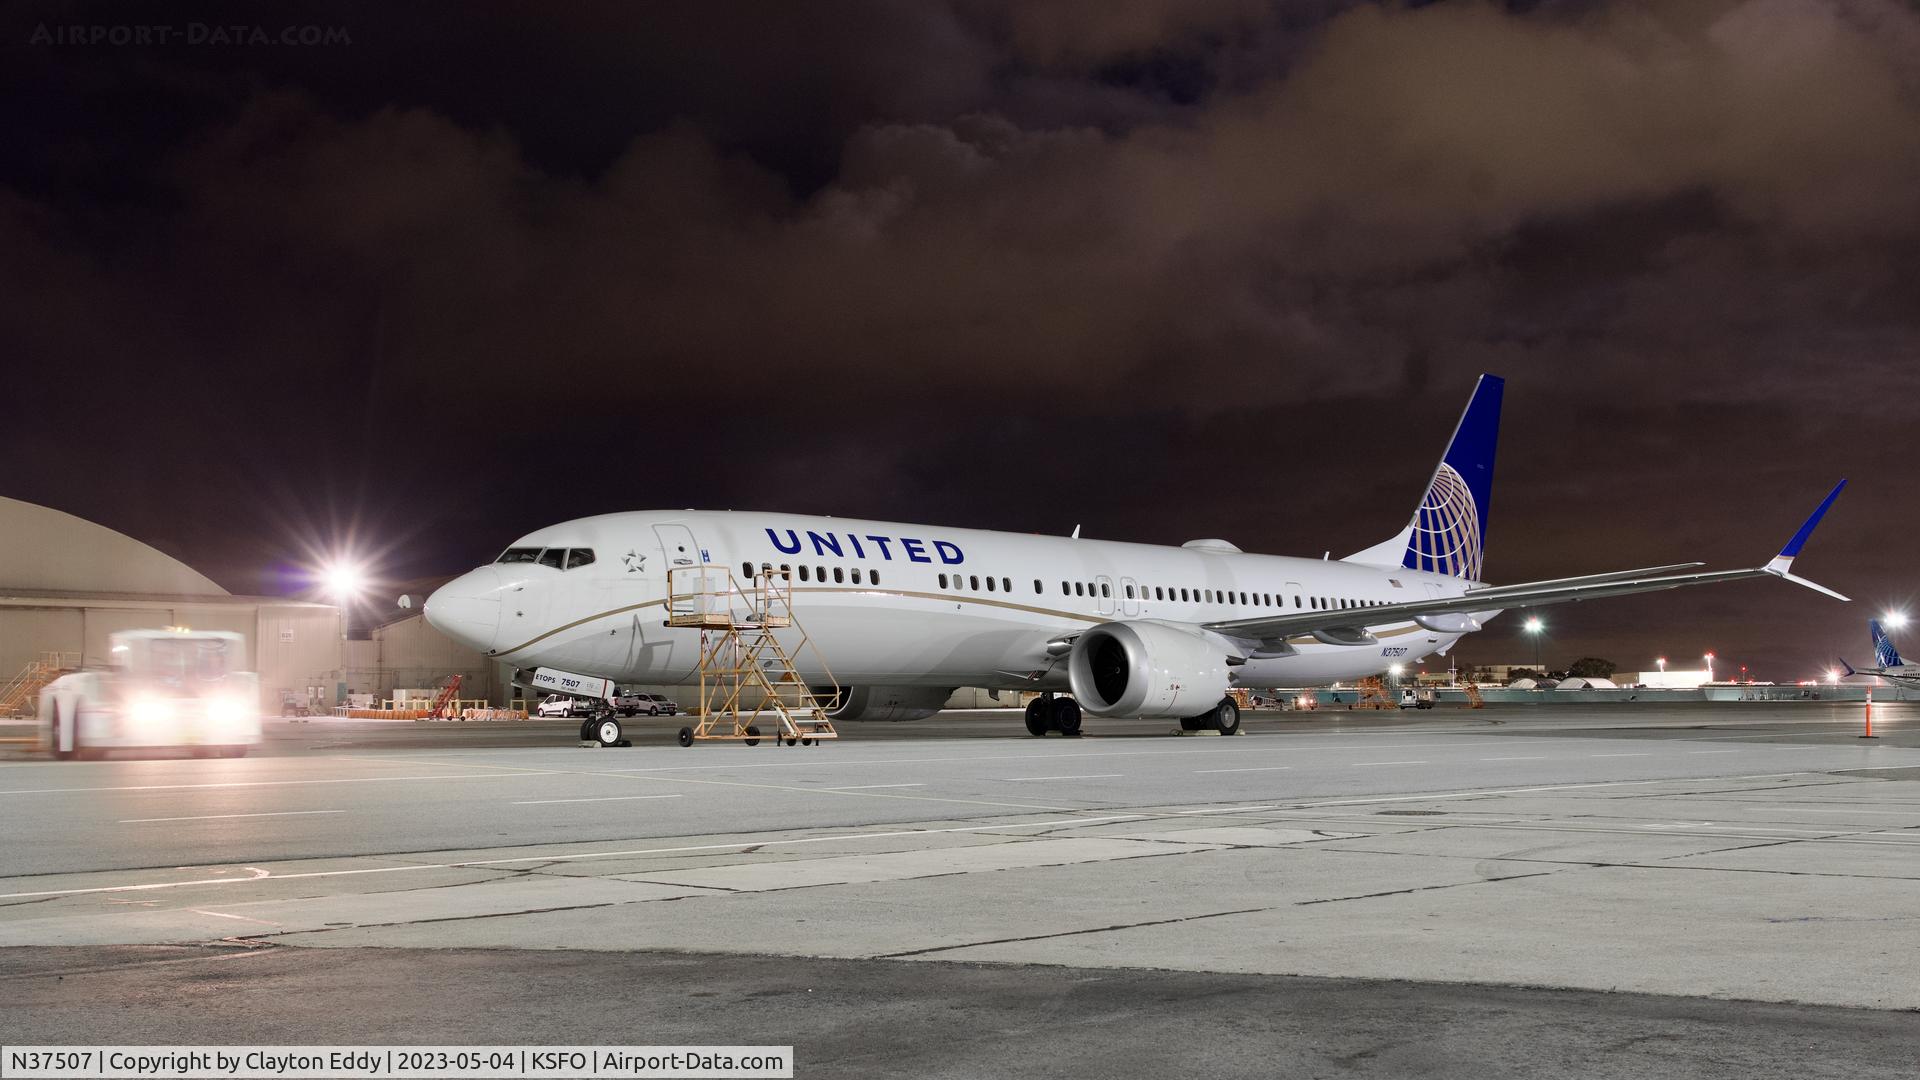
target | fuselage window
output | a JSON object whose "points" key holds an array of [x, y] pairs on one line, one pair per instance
{"points": [[943, 581], [873, 577], [514, 555], [989, 584], [820, 574], [746, 569], [1037, 590], [1129, 592], [839, 575], [974, 582], [1006, 584], [803, 573], [856, 575], [1159, 593], [1079, 589], [579, 557], [1065, 589], [1105, 589], [1183, 596]]}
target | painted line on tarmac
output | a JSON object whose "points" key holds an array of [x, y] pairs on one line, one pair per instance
{"points": [[1530, 790], [864, 787], [1082, 776], [600, 798], [1214, 747], [576, 856], [262, 783], [222, 817]]}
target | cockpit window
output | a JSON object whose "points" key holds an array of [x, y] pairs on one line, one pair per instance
{"points": [[554, 557], [579, 557], [512, 555]]}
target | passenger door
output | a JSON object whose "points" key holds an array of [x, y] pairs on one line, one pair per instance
{"points": [[683, 572], [1104, 585]]}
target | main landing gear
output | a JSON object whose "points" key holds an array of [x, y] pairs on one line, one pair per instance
{"points": [[1223, 718], [1048, 713]]}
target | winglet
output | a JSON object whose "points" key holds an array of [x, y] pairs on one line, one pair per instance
{"points": [[1786, 556], [1781, 565], [1846, 667]]}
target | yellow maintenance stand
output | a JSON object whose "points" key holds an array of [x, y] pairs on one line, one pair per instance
{"points": [[747, 674]]}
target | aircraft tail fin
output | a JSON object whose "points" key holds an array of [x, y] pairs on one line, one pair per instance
{"points": [[1884, 653], [1448, 533]]}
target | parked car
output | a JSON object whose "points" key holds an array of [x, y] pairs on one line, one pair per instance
{"points": [[648, 704], [561, 705]]}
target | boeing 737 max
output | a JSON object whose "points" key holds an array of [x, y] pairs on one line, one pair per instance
{"points": [[903, 614]]}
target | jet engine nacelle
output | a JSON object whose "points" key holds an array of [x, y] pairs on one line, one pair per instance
{"points": [[1148, 669], [857, 703]]}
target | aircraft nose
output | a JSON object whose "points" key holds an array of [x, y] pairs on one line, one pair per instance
{"points": [[467, 609]]}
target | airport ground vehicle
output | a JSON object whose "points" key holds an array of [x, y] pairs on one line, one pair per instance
{"points": [[648, 704], [162, 688], [1410, 698], [565, 706]]}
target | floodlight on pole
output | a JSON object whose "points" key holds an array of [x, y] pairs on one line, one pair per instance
{"points": [[1534, 626], [1895, 620], [343, 581]]}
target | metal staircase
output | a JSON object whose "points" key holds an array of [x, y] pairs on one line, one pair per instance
{"points": [[747, 673], [21, 694]]}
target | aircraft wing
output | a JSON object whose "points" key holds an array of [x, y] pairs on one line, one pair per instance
{"points": [[1457, 614]]}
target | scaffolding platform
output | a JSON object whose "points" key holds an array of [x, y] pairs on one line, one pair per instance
{"points": [[748, 674]]}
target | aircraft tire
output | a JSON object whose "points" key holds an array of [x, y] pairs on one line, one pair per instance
{"points": [[753, 735], [606, 731], [586, 731], [686, 736], [1225, 717], [1066, 717], [1037, 724]]}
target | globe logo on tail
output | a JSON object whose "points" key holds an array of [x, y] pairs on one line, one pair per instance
{"points": [[1446, 529]]}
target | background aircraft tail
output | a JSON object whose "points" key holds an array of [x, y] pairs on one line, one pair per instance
{"points": [[1448, 533], [1884, 653]]}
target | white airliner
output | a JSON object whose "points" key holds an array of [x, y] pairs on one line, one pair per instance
{"points": [[901, 615], [1891, 667]]}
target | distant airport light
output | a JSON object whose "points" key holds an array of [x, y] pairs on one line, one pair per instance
{"points": [[1662, 661], [343, 581], [1895, 620], [1534, 625], [1833, 676]]}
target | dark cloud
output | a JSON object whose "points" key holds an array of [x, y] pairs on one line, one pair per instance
{"points": [[1165, 269]]}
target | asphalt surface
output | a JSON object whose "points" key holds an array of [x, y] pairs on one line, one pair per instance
{"points": [[893, 1018], [1705, 890]]}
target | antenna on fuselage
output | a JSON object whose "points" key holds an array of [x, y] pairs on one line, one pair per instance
{"points": [[1076, 532]]}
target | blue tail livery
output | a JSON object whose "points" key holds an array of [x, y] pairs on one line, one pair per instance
{"points": [[1448, 533], [1884, 653]]}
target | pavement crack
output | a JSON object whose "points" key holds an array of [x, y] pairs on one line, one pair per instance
{"points": [[1071, 933], [1424, 888]]}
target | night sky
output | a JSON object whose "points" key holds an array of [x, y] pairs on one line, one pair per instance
{"points": [[1161, 270]]}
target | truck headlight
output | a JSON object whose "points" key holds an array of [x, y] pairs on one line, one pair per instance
{"points": [[149, 713], [229, 711]]}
